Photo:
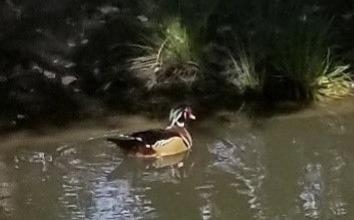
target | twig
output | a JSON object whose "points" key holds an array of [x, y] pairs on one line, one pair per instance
{"points": [[130, 45], [160, 51]]}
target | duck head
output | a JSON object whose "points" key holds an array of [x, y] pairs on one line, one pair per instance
{"points": [[181, 116]]}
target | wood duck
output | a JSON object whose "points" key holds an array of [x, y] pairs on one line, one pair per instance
{"points": [[172, 140]]}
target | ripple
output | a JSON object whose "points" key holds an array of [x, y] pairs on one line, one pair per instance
{"points": [[119, 199], [208, 209], [171, 169], [242, 158], [337, 204], [321, 194], [312, 190], [88, 192], [24, 158]]}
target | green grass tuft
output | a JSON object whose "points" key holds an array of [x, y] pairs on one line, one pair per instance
{"points": [[241, 71], [334, 81], [302, 56], [177, 44], [169, 58]]}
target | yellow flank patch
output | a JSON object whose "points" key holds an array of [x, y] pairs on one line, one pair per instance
{"points": [[170, 146]]}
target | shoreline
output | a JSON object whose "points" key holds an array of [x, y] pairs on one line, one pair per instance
{"points": [[92, 128]]}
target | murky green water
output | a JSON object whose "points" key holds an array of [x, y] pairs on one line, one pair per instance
{"points": [[290, 167]]}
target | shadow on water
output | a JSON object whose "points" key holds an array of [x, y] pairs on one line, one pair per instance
{"points": [[287, 167]]}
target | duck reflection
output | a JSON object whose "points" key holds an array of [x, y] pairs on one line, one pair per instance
{"points": [[170, 161], [165, 169]]}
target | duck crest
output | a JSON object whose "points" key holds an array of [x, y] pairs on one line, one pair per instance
{"points": [[175, 117], [180, 117]]}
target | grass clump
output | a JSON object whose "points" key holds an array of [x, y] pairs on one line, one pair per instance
{"points": [[281, 51], [303, 58], [176, 47], [241, 72], [333, 82], [167, 59]]}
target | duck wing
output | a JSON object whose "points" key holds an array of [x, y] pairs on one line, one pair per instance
{"points": [[125, 142], [142, 138], [150, 137]]}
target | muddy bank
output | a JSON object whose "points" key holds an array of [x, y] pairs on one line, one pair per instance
{"points": [[86, 129]]}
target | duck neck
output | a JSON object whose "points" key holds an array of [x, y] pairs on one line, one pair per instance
{"points": [[183, 133]]}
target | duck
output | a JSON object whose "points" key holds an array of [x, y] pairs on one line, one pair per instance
{"points": [[161, 142]]}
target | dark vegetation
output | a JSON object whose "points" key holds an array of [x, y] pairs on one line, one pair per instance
{"points": [[74, 59]]}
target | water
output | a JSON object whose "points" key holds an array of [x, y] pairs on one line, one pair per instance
{"points": [[297, 166]]}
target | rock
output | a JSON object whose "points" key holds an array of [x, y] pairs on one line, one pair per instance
{"points": [[67, 80]]}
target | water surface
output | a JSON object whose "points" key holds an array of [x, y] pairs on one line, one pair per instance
{"points": [[297, 166]]}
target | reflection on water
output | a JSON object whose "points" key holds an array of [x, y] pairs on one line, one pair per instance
{"points": [[208, 209], [337, 204], [242, 159], [119, 200], [88, 193], [6, 190], [290, 168], [321, 193], [33, 157], [313, 189]]}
